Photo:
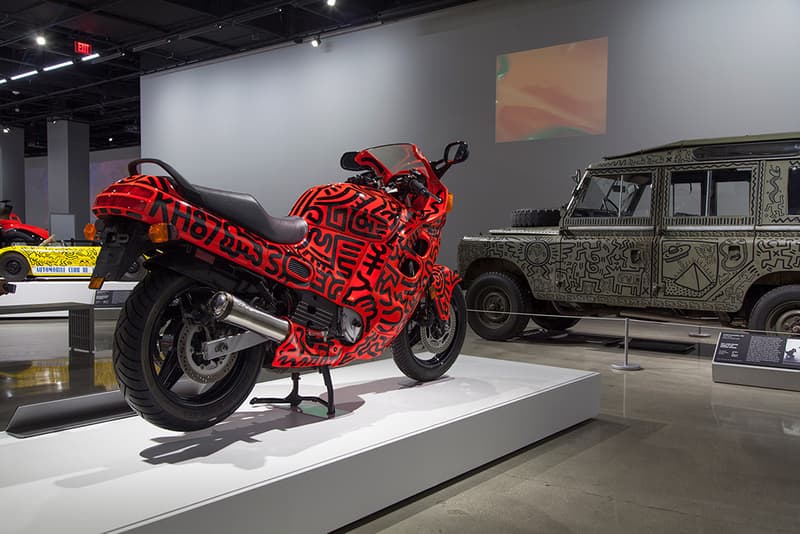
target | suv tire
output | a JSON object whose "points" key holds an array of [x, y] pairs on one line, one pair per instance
{"points": [[777, 310], [528, 217], [498, 296]]}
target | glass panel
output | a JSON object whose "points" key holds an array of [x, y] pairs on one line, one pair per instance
{"points": [[731, 192], [687, 193], [637, 192], [600, 197], [794, 191]]}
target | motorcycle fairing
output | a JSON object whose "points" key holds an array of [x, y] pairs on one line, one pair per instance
{"points": [[443, 283], [357, 240]]}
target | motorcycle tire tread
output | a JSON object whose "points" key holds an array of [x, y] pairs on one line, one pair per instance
{"points": [[419, 370], [127, 360]]}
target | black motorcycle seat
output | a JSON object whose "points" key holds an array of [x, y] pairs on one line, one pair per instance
{"points": [[246, 211]]}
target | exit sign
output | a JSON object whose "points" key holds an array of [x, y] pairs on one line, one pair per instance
{"points": [[84, 49]]}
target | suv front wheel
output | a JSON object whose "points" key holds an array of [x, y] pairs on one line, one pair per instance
{"points": [[500, 306]]}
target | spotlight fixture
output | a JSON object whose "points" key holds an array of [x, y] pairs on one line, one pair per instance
{"points": [[331, 3], [315, 42], [110, 139], [40, 40], [6, 129]]}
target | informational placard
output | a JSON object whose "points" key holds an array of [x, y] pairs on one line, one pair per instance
{"points": [[758, 350], [110, 299]]}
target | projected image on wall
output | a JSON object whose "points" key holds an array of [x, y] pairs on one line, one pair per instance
{"points": [[558, 91]]}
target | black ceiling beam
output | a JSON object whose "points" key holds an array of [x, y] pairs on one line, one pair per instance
{"points": [[139, 22], [72, 33], [101, 5], [89, 107], [70, 90]]}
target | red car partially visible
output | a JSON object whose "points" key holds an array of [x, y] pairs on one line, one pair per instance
{"points": [[14, 231]]}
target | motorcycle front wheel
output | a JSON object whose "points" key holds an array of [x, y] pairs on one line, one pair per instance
{"points": [[425, 352], [158, 359]]}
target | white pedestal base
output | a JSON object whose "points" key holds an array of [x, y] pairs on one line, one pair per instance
{"points": [[45, 295], [270, 469]]}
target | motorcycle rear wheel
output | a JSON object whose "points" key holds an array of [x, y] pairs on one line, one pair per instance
{"points": [[418, 363], [157, 358]]}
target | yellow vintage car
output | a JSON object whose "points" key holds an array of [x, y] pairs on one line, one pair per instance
{"points": [[19, 262]]}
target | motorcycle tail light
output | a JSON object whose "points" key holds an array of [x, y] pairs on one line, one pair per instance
{"points": [[449, 206], [89, 231], [159, 232], [120, 201], [132, 190]]}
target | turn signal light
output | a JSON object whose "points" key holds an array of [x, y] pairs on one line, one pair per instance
{"points": [[89, 231], [158, 233], [449, 206], [96, 282]]}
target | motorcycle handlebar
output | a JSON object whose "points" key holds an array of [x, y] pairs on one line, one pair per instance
{"points": [[419, 188]]}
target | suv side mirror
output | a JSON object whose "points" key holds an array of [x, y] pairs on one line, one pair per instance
{"points": [[456, 152]]}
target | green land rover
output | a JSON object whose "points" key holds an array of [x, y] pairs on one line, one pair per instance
{"points": [[692, 229]]}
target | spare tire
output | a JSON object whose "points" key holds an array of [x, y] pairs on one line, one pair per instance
{"points": [[529, 217]]}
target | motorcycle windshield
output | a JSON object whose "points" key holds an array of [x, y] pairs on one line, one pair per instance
{"points": [[392, 159]]}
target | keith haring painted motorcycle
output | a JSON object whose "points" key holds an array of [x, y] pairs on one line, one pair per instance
{"points": [[231, 288]]}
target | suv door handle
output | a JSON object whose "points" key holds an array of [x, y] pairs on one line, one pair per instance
{"points": [[635, 255], [735, 252]]}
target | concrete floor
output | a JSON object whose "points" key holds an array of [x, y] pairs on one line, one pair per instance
{"points": [[670, 452]]}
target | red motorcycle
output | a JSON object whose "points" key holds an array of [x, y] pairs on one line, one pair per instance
{"points": [[231, 289]]}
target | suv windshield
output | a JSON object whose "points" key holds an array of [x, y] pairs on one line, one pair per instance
{"points": [[615, 195]]}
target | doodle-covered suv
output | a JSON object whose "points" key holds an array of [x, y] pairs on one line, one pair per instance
{"points": [[692, 229]]}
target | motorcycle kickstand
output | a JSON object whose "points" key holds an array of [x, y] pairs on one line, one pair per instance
{"points": [[294, 398]]}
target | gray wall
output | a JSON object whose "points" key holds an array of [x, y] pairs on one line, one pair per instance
{"points": [[105, 167], [12, 171], [276, 122]]}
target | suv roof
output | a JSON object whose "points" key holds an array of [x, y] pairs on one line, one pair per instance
{"points": [[781, 144]]}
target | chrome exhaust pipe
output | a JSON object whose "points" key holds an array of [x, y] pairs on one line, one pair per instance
{"points": [[232, 310]]}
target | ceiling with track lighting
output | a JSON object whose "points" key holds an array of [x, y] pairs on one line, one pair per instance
{"points": [[82, 59]]}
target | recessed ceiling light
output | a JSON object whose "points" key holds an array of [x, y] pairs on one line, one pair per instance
{"points": [[110, 139], [331, 3], [315, 42], [6, 130], [40, 40]]}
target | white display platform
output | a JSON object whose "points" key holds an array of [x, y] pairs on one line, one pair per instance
{"points": [[48, 293], [270, 469]]}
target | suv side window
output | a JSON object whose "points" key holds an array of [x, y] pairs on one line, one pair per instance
{"points": [[710, 193], [615, 195], [794, 191]]}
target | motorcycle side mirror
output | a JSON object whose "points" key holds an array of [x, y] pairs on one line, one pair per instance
{"points": [[456, 152], [349, 163]]}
